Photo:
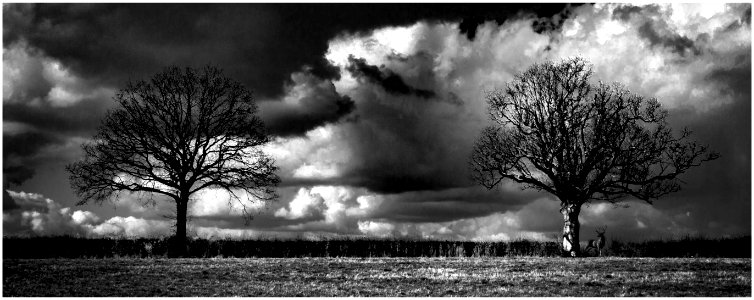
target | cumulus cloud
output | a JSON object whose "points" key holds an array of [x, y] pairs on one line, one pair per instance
{"points": [[132, 227], [305, 204], [325, 209], [321, 155], [37, 215], [35, 79], [43, 216], [621, 51]]}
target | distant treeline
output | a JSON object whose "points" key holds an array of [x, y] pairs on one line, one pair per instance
{"points": [[73, 247], [684, 247]]}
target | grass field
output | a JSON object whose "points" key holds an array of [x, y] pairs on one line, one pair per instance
{"points": [[523, 276]]}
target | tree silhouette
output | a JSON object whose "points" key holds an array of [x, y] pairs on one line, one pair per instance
{"points": [[556, 131], [174, 135]]}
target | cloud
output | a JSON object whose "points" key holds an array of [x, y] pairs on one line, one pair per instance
{"points": [[348, 210], [274, 39], [17, 174], [24, 71], [42, 216], [8, 202], [391, 82], [448, 205], [132, 227], [305, 204], [309, 102], [620, 52], [37, 215], [33, 201], [35, 79], [218, 202], [321, 155], [333, 209], [494, 227], [377, 229], [46, 110]]}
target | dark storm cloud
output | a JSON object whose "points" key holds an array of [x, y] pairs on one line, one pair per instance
{"points": [[103, 42], [624, 12], [47, 127], [451, 204], [16, 174], [260, 44], [387, 79], [677, 43], [552, 23], [27, 144], [77, 120], [657, 32], [290, 122], [8, 202], [726, 190], [402, 150], [310, 102]]}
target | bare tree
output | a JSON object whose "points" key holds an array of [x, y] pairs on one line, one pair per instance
{"points": [[554, 130], [174, 135]]}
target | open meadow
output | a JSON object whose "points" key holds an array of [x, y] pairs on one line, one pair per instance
{"points": [[324, 277]]}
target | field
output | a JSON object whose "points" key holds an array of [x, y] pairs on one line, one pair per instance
{"points": [[467, 276]]}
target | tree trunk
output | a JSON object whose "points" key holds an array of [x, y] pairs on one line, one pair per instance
{"points": [[571, 227], [179, 245]]}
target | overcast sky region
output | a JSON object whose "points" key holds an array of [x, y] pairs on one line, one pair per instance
{"points": [[373, 111]]}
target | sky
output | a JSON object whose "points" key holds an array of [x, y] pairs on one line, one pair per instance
{"points": [[373, 111]]}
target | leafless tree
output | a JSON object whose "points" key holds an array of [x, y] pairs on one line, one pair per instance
{"points": [[555, 130], [174, 135]]}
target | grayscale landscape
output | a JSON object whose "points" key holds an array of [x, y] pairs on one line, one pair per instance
{"points": [[376, 149]]}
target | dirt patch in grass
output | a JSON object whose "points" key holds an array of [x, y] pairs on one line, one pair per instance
{"points": [[391, 277]]}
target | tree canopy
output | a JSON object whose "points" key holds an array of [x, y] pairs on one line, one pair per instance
{"points": [[554, 129], [174, 135]]}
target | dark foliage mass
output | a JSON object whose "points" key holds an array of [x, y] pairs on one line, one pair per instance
{"points": [[72, 247]]}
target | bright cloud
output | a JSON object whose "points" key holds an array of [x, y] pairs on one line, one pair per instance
{"points": [[132, 227], [219, 202], [38, 215], [31, 76], [304, 204]]}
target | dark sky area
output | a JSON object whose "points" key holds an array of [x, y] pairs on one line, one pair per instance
{"points": [[373, 110]]}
